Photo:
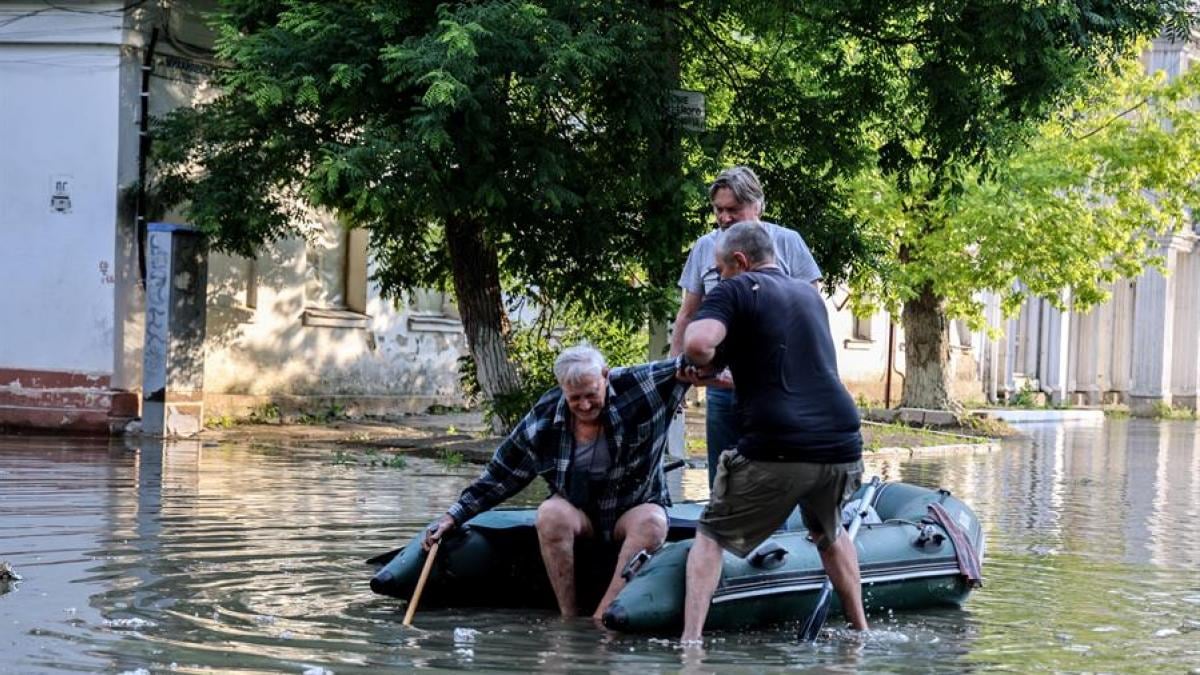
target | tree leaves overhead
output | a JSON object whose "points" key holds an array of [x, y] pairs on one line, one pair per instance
{"points": [[536, 119], [545, 123], [1082, 205]]}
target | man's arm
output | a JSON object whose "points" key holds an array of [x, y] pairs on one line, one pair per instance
{"points": [[511, 468], [700, 342], [799, 258], [687, 309]]}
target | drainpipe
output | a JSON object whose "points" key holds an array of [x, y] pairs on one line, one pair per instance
{"points": [[993, 393], [891, 364], [144, 153]]}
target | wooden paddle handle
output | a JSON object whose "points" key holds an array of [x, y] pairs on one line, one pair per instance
{"points": [[416, 596]]}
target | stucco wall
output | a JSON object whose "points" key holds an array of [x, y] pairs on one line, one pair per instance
{"points": [[268, 350], [862, 364], [59, 113]]}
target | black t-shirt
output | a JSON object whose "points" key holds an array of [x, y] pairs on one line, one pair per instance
{"points": [[780, 351]]}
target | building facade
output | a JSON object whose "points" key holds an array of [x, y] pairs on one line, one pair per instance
{"points": [[301, 326]]}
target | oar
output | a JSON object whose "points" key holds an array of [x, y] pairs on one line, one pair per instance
{"points": [[416, 596], [812, 627]]}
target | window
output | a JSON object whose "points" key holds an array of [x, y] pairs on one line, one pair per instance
{"points": [[862, 328], [232, 287], [433, 311], [964, 334], [335, 275]]}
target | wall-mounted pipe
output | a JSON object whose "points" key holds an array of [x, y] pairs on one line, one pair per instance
{"points": [[144, 153]]}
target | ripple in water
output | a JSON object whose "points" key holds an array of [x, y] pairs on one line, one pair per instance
{"points": [[251, 559]]}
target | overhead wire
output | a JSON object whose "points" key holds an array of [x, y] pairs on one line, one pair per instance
{"points": [[52, 7]]}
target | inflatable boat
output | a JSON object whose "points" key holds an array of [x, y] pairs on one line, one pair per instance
{"points": [[920, 548]]}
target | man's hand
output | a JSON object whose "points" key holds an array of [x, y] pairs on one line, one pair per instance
{"points": [[703, 376], [722, 380], [436, 529]]}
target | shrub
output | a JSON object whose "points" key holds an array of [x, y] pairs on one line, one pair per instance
{"points": [[533, 348]]}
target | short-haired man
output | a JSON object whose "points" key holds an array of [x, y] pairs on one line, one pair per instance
{"points": [[800, 441], [598, 440], [735, 195]]}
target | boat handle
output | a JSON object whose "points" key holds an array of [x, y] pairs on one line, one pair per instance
{"points": [[768, 556], [635, 563], [929, 535]]}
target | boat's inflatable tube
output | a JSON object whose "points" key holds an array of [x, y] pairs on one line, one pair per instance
{"points": [[494, 561], [905, 562]]}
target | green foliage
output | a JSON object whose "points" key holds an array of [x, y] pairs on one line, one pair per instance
{"points": [[325, 416], [221, 422], [986, 426], [1117, 412], [534, 348], [1164, 411], [536, 127], [1078, 208], [342, 458], [529, 143], [1027, 397], [451, 459], [266, 413]]}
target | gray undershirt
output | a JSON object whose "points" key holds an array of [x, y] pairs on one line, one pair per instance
{"points": [[593, 457]]}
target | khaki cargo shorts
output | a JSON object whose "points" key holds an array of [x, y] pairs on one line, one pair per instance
{"points": [[751, 499]]}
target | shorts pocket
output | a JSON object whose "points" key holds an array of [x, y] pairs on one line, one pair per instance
{"points": [[852, 480], [730, 463]]}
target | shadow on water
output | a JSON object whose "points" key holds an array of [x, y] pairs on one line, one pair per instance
{"points": [[249, 559]]}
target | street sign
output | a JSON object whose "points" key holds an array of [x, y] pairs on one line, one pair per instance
{"points": [[688, 107]]}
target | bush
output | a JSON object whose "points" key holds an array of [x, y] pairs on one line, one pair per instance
{"points": [[534, 347]]}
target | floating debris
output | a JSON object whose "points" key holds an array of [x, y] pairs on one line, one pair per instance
{"points": [[7, 573], [465, 635], [133, 623]]}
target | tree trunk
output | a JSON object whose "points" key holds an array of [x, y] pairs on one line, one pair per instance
{"points": [[926, 353], [476, 269]]}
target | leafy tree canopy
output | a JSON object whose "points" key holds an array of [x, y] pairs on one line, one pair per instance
{"points": [[529, 143], [535, 122], [1083, 204]]}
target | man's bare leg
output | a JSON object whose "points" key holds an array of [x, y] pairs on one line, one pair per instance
{"points": [[558, 525], [642, 527], [841, 564], [704, 564]]}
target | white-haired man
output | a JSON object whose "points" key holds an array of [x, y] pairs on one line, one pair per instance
{"points": [[598, 440]]}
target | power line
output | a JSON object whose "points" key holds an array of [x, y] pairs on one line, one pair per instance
{"points": [[50, 6]]}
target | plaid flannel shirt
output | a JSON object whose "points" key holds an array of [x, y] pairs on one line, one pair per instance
{"points": [[639, 406]]}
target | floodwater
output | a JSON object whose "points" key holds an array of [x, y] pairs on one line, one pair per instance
{"points": [[250, 559]]}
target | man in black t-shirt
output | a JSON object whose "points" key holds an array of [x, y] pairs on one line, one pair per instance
{"points": [[800, 441]]}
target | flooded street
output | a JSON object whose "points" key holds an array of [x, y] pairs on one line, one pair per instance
{"points": [[250, 559]]}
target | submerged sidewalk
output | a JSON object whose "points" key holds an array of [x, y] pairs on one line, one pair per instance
{"points": [[463, 436]]}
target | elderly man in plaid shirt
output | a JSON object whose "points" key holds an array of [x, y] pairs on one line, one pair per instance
{"points": [[598, 440]]}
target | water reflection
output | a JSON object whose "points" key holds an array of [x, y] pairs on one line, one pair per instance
{"points": [[249, 558]]}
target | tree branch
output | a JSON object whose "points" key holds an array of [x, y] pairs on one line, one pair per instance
{"points": [[1116, 117]]}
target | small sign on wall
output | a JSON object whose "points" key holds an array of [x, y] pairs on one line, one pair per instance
{"points": [[60, 193], [687, 107]]}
